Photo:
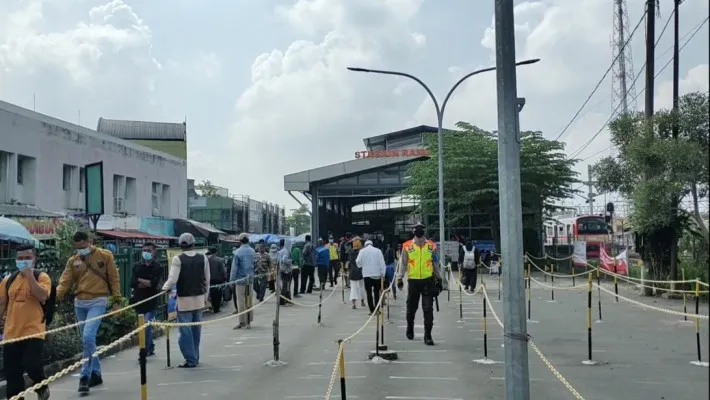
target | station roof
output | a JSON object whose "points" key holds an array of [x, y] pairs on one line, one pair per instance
{"points": [[142, 130], [392, 136]]}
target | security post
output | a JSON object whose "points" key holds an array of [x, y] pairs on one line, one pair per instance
{"points": [[599, 295], [342, 281], [527, 271], [341, 368], [529, 294], [685, 301], [499, 286], [460, 284], [571, 266], [616, 282], [277, 286], [381, 351], [697, 320], [250, 316], [381, 315], [589, 360], [574, 283], [544, 266], [485, 325], [142, 354], [320, 305], [167, 346]]}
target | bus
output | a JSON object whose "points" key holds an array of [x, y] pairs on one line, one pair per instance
{"points": [[591, 229]]}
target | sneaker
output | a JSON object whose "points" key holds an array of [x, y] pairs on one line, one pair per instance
{"points": [[43, 393], [83, 385], [428, 340], [239, 326], [410, 332], [248, 326], [95, 380]]}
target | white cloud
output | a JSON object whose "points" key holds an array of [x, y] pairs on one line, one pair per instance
{"points": [[696, 80]]}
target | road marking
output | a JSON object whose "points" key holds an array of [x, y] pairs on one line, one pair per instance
{"points": [[439, 378], [421, 351], [410, 341], [502, 378], [317, 396], [249, 345], [421, 398], [186, 383], [324, 377]]}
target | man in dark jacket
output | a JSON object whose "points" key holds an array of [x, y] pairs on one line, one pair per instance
{"points": [[218, 275], [145, 281], [309, 266]]}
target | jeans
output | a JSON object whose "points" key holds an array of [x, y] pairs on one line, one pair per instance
{"points": [[88, 309], [20, 357], [260, 287], [189, 341], [322, 275], [389, 276], [149, 345]]}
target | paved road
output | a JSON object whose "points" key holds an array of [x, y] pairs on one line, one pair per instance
{"points": [[642, 355]]}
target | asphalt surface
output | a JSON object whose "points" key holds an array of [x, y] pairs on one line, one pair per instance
{"points": [[642, 355]]}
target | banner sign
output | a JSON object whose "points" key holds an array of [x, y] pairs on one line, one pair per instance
{"points": [[622, 262], [415, 152], [580, 254]]}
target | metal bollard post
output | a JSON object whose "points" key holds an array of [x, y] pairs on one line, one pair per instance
{"points": [[499, 287], [599, 295], [248, 302], [574, 283], [529, 294], [167, 345], [341, 367], [320, 305], [342, 281], [685, 302], [380, 314], [616, 282], [277, 286], [589, 361], [697, 320], [552, 281], [142, 354], [485, 326]]}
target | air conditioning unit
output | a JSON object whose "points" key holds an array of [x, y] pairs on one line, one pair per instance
{"points": [[119, 205]]}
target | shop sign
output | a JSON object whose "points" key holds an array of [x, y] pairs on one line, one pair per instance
{"points": [[415, 152], [41, 228]]}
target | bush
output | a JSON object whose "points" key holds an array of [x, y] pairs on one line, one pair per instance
{"points": [[116, 326], [64, 344]]}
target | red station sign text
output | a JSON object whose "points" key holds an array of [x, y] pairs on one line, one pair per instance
{"points": [[417, 152]]}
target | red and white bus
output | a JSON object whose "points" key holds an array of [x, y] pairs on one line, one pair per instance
{"points": [[592, 229]]}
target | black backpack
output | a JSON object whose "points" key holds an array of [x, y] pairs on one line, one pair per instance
{"points": [[49, 305]]}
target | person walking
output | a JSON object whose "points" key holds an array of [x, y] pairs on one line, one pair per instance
{"points": [[145, 282], [285, 266], [334, 267], [91, 273], [262, 267], [345, 247], [323, 262], [390, 263], [470, 265], [243, 274], [190, 272], [22, 295], [372, 263], [309, 266], [273, 250], [357, 284], [297, 262], [420, 262], [218, 276]]}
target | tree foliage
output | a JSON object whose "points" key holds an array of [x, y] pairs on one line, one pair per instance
{"points": [[299, 220], [656, 170], [207, 189], [471, 175]]}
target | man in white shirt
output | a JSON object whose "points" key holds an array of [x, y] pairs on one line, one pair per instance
{"points": [[372, 262], [190, 271]]}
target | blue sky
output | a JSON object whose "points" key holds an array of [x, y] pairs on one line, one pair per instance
{"points": [[263, 83]]}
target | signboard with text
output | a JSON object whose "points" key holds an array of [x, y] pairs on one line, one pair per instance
{"points": [[414, 152]]}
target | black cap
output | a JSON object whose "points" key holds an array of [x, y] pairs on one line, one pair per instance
{"points": [[419, 224]]}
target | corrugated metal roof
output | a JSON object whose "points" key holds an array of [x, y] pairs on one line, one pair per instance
{"points": [[133, 234], [142, 130], [11, 210]]}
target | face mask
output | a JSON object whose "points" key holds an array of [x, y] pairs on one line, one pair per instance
{"points": [[330, 240], [83, 252], [147, 256], [419, 232], [22, 264]]}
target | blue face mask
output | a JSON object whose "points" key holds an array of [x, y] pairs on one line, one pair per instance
{"points": [[22, 264], [83, 252], [147, 256]]}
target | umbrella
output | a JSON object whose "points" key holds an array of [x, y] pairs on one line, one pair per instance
{"points": [[13, 231]]}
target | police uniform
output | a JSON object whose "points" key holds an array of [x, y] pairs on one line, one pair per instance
{"points": [[419, 260]]}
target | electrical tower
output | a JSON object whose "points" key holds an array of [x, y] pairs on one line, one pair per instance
{"points": [[623, 94]]}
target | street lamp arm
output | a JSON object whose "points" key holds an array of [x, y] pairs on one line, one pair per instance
{"points": [[412, 77], [480, 71]]}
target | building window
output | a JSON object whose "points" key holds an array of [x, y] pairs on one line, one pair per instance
{"points": [[160, 200], [20, 169], [66, 177], [82, 178]]}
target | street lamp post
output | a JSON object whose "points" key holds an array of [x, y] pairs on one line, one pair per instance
{"points": [[439, 128]]}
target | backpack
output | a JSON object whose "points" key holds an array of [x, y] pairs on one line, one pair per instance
{"points": [[49, 305], [469, 260]]}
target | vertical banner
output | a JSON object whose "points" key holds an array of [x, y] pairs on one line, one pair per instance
{"points": [[607, 262], [580, 253]]}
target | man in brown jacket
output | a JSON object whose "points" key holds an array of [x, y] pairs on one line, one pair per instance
{"points": [[93, 276]]}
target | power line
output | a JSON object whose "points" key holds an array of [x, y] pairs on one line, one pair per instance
{"points": [[621, 50], [586, 144]]}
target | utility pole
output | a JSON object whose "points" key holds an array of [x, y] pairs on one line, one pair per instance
{"points": [[676, 62], [517, 380], [650, 55], [590, 192]]}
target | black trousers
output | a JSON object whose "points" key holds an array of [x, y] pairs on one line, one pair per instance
{"points": [[21, 357], [285, 286], [334, 272], [216, 297], [295, 275], [307, 278], [470, 277], [372, 292], [420, 289], [322, 276]]}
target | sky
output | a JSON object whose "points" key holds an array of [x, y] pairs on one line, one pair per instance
{"points": [[264, 88]]}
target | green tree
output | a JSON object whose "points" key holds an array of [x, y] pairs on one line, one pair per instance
{"points": [[656, 170], [299, 220], [207, 189], [471, 177]]}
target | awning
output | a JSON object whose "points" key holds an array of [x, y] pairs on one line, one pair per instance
{"points": [[196, 228], [13, 231], [130, 234]]}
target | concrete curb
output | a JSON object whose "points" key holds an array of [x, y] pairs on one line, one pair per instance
{"points": [[56, 366]]}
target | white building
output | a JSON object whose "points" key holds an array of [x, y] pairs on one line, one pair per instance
{"points": [[42, 159]]}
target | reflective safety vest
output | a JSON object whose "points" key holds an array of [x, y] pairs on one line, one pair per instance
{"points": [[333, 249], [420, 260]]}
